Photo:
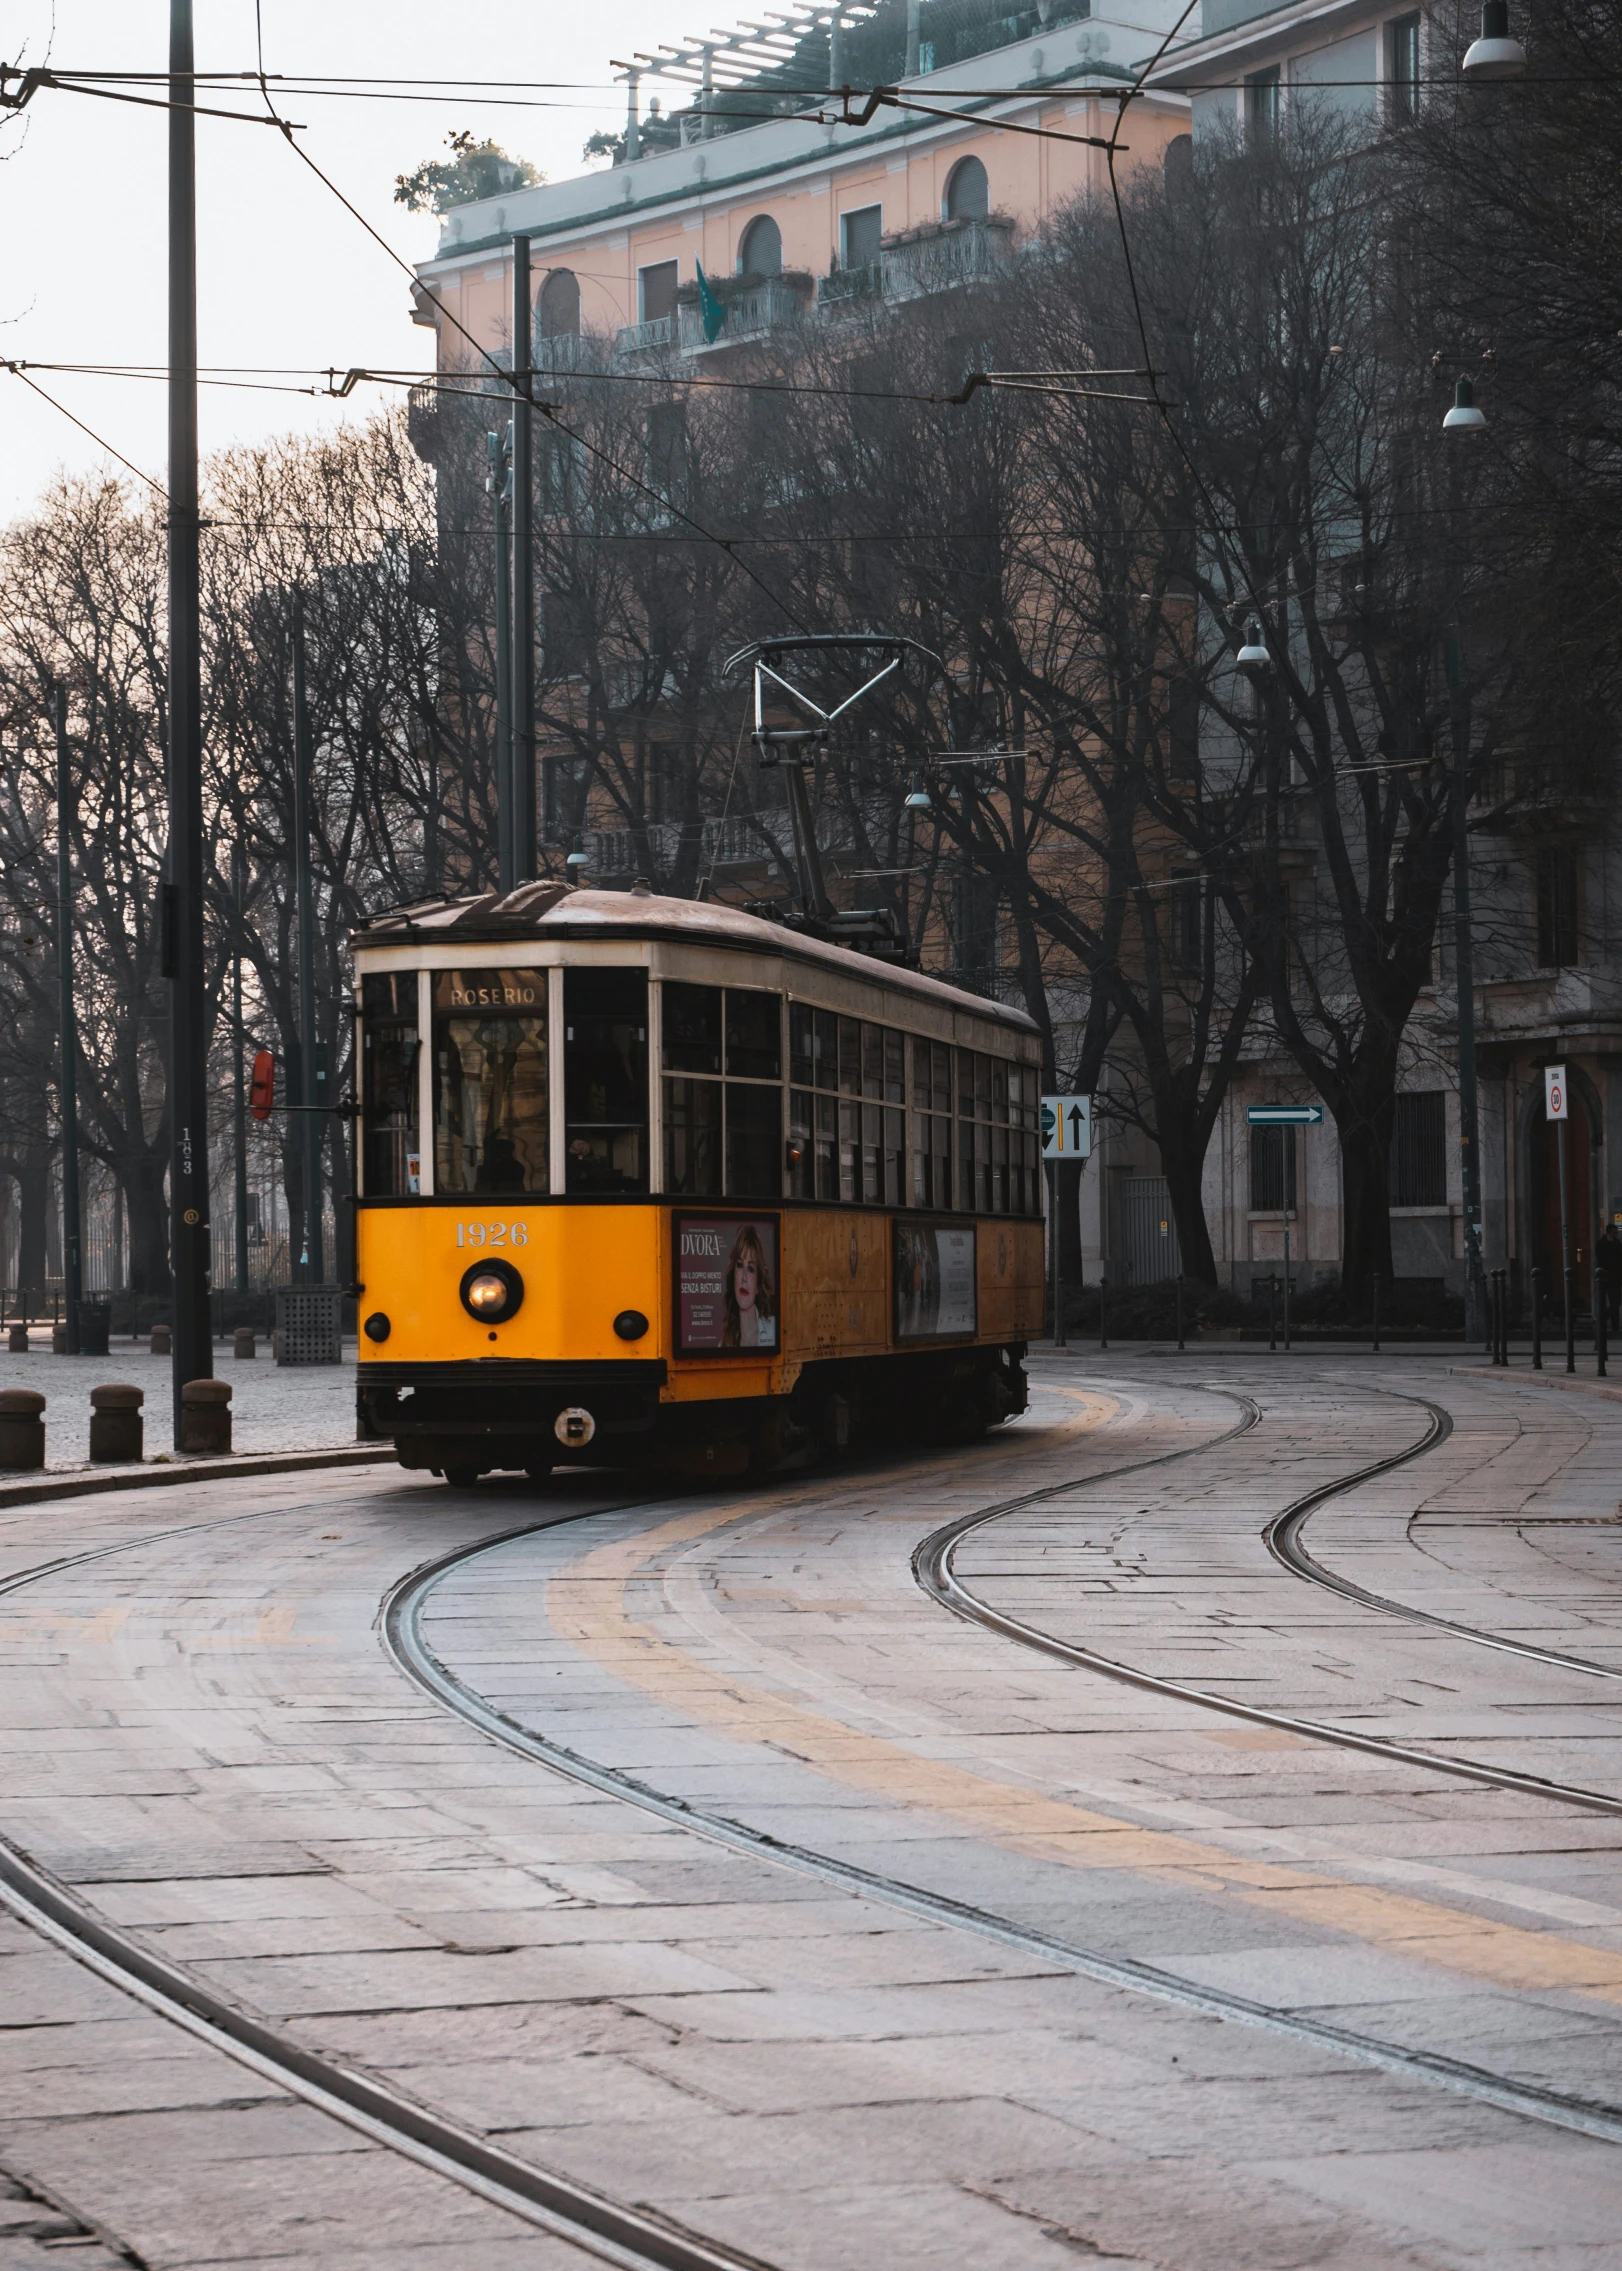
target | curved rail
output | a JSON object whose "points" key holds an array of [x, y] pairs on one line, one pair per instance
{"points": [[633, 2238], [932, 1566], [1285, 1543], [403, 1637]]}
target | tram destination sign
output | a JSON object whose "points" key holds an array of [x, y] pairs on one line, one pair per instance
{"points": [[1285, 1115], [1067, 1127]]}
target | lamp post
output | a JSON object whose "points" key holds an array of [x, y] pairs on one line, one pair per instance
{"points": [[68, 1027], [1464, 418]]}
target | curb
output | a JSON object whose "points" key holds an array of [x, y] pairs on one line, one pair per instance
{"points": [[1567, 1383], [193, 1470]]}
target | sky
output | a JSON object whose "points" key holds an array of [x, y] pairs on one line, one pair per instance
{"points": [[285, 276]]}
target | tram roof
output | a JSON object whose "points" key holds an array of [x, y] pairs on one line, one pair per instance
{"points": [[556, 910]]}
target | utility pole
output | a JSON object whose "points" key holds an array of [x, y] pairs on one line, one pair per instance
{"points": [[1465, 982], [311, 1084], [189, 1237], [239, 1099], [523, 580], [498, 481], [67, 1029]]}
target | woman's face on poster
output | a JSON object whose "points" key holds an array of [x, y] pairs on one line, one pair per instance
{"points": [[745, 1278]]}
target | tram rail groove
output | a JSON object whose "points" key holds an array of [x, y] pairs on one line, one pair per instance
{"points": [[401, 1628], [932, 1564], [1285, 1542]]}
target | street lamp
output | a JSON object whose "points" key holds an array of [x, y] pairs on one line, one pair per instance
{"points": [[1253, 655], [919, 801], [1495, 55], [1464, 417]]}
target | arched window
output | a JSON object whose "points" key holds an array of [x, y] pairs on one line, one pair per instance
{"points": [[560, 305], [968, 193], [761, 252]]}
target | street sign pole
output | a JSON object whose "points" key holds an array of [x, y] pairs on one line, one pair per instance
{"points": [[189, 1236], [1055, 1264], [1067, 1133], [1557, 1107]]}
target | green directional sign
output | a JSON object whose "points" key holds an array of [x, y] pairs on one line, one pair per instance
{"points": [[1285, 1115], [1067, 1127]]}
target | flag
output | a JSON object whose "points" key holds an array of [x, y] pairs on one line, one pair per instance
{"points": [[714, 314]]}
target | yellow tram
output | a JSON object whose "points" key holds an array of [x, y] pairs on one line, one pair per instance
{"points": [[649, 1179]]}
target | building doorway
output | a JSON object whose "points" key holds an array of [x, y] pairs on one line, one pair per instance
{"points": [[1545, 1135]]}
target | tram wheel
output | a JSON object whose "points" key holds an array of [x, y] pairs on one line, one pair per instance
{"points": [[461, 1478]]}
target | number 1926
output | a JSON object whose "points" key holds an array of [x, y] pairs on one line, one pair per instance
{"points": [[492, 1234]]}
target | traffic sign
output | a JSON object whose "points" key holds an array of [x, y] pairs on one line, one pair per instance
{"points": [[1285, 1115], [1556, 1100], [1067, 1127]]}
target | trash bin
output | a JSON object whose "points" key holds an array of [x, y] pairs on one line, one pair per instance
{"points": [[309, 1324], [95, 1327]]}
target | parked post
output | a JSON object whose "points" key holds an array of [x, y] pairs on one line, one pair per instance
{"points": [[1537, 1318], [1571, 1318], [1053, 1254], [67, 1027]]}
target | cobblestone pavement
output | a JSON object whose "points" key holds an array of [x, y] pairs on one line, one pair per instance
{"points": [[201, 1734], [274, 1407]]}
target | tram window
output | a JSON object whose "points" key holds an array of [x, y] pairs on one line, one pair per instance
{"points": [[872, 1060], [802, 1044], [827, 1143], [390, 1049], [850, 1144], [872, 1155], [895, 1068], [999, 1091], [693, 1137], [754, 1035], [850, 1057], [491, 1120], [692, 1028], [754, 1141], [605, 1079]]}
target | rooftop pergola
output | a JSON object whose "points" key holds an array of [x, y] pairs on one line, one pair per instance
{"points": [[738, 57]]}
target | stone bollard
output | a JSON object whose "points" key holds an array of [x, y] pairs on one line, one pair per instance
{"points": [[22, 1428], [115, 1425], [205, 1416], [59, 1340], [243, 1341], [161, 1344], [18, 1343]]}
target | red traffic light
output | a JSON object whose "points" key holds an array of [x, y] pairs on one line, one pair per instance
{"points": [[262, 1088]]}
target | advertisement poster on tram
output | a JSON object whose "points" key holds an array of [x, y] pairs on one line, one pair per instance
{"points": [[934, 1281], [726, 1283]]}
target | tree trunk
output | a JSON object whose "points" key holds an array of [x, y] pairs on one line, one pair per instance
{"points": [[1365, 1154], [1184, 1168], [142, 1179], [33, 1209]]}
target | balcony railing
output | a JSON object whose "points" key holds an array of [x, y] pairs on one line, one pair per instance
{"points": [[754, 313], [974, 253], [844, 287], [568, 351], [645, 338]]}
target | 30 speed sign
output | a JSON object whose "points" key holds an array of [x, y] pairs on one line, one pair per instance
{"points": [[1555, 1098]]}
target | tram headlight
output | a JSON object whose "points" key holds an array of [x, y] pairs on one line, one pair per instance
{"points": [[492, 1292]]}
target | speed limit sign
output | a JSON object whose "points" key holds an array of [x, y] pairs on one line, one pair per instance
{"points": [[1554, 1093]]}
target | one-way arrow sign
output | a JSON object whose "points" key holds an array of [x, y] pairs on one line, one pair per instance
{"points": [[1285, 1115], [1067, 1127]]}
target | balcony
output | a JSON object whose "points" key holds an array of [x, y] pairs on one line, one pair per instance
{"points": [[944, 257], [755, 310], [659, 334], [568, 351], [851, 287]]}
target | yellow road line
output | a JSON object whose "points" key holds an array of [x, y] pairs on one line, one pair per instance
{"points": [[586, 1606]]}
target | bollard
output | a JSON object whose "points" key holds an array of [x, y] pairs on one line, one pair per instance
{"points": [[17, 1342], [205, 1416], [59, 1340], [243, 1343], [1376, 1284], [115, 1425], [22, 1428], [1537, 1319], [161, 1345]]}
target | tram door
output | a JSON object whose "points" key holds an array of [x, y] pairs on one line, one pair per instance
{"points": [[1579, 1201]]}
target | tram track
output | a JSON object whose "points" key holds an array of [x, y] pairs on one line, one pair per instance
{"points": [[401, 1625], [632, 2237], [1284, 1540]]}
